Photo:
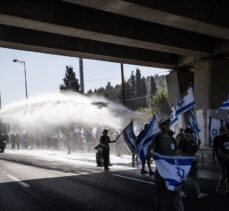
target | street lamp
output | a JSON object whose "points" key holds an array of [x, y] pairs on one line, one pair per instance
{"points": [[23, 62]]}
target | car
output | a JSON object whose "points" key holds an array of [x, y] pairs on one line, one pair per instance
{"points": [[4, 138], [2, 144]]}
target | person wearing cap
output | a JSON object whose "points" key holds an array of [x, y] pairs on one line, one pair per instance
{"points": [[188, 146], [164, 144], [104, 144]]}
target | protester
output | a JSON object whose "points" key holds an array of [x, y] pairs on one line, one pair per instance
{"points": [[180, 136], [148, 155], [171, 134], [18, 140], [165, 145], [224, 154], [188, 146], [215, 153], [104, 143], [13, 140]]}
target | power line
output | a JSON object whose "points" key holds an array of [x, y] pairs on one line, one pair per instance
{"points": [[136, 98], [101, 79]]}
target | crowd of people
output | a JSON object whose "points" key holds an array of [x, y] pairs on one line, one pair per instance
{"points": [[185, 143]]}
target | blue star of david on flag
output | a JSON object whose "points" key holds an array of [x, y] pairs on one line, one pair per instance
{"points": [[173, 169], [213, 128], [214, 132], [180, 172]]}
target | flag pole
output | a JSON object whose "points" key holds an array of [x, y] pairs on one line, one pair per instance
{"points": [[122, 132]]}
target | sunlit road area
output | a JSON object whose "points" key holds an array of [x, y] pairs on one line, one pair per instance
{"points": [[86, 187]]}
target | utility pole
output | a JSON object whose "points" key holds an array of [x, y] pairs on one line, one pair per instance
{"points": [[123, 86], [0, 101], [81, 75]]}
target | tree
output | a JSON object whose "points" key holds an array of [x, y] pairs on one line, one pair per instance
{"points": [[140, 90], [153, 90], [89, 93], [70, 81], [153, 87], [160, 103]]}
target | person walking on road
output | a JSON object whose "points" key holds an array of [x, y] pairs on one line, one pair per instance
{"points": [[148, 155], [165, 145], [104, 143], [215, 153], [224, 154], [188, 146]]}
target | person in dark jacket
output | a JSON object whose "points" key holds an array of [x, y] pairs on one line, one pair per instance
{"points": [[215, 153], [148, 154], [180, 136], [224, 154], [164, 144], [188, 146], [104, 144]]}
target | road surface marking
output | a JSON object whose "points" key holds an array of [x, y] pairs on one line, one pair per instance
{"points": [[130, 178], [17, 180]]}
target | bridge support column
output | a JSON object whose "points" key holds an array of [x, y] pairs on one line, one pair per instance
{"points": [[210, 89], [177, 83]]}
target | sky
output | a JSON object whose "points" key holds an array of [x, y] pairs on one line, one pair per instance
{"points": [[45, 72]]}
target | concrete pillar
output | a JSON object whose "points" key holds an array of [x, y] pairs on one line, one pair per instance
{"points": [[210, 89], [177, 84]]}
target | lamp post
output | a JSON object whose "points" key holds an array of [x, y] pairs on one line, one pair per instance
{"points": [[23, 62], [123, 86]]}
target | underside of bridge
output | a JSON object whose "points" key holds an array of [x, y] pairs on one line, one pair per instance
{"points": [[161, 33], [190, 37]]}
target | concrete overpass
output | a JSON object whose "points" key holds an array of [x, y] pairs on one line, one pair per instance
{"points": [[190, 37]]}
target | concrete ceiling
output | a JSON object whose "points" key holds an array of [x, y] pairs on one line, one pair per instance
{"points": [[158, 33]]}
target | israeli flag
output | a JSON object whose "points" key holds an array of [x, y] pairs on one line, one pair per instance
{"points": [[224, 105], [130, 137], [173, 117], [193, 124], [94, 131], [213, 128], [186, 102], [173, 169], [151, 131]]}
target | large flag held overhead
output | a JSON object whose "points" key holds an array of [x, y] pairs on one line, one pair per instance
{"points": [[150, 133], [186, 102], [173, 169], [173, 117], [224, 105], [193, 124], [213, 128], [130, 137]]}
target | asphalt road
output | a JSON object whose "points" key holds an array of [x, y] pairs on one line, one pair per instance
{"points": [[24, 187]]}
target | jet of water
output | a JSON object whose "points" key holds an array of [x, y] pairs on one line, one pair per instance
{"points": [[55, 110]]}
